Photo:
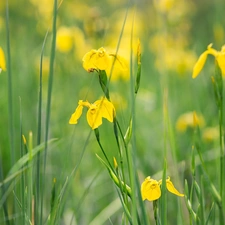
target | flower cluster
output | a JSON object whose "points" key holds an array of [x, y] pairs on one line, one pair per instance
{"points": [[102, 62], [150, 189]]}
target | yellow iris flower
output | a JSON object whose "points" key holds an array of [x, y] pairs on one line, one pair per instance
{"points": [[102, 60], [219, 56], [150, 189], [99, 109], [2, 61]]}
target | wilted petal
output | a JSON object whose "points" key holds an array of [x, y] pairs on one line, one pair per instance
{"points": [[170, 187], [150, 189]]}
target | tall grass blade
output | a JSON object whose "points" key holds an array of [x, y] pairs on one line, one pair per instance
{"points": [[49, 97], [37, 204], [10, 88]]}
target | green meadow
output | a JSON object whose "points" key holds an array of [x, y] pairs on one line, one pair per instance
{"points": [[112, 112]]}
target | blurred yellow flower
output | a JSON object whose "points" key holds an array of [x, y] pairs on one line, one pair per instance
{"points": [[150, 189], [219, 56], [176, 56], [102, 60], [2, 61], [64, 39], [189, 119], [99, 109], [211, 134], [164, 5]]}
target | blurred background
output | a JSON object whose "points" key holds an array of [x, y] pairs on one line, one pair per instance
{"points": [[173, 33]]}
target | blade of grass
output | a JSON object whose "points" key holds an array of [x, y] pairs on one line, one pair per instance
{"points": [[10, 91], [49, 97], [5, 210], [37, 208]]}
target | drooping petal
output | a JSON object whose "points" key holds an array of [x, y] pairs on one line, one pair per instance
{"points": [[76, 115], [170, 187], [94, 117], [221, 61], [105, 109], [199, 64], [150, 189], [2, 60]]}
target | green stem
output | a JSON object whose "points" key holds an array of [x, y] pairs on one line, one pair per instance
{"points": [[121, 157], [97, 135], [38, 176], [221, 161], [10, 93], [49, 97], [156, 216]]}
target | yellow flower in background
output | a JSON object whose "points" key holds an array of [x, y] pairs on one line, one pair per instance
{"points": [[118, 67], [189, 120], [99, 109], [219, 56], [211, 134], [150, 189], [2, 61], [64, 39], [164, 5], [102, 60]]}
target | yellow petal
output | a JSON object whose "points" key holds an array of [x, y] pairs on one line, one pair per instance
{"points": [[150, 189], [221, 61], [76, 115], [97, 59], [88, 60], [199, 64], [94, 117], [170, 187], [102, 59], [106, 109], [2, 60]]}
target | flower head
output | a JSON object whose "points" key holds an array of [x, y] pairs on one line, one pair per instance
{"points": [[99, 109], [102, 60], [219, 56], [96, 59], [2, 61], [150, 189]]}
